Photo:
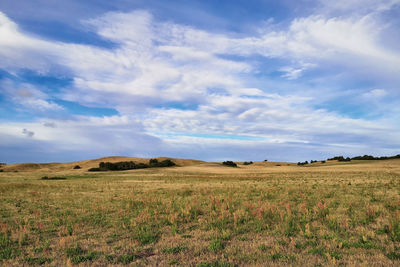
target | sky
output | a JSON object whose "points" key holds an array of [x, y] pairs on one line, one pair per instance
{"points": [[215, 80]]}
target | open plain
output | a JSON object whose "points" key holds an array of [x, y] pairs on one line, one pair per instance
{"points": [[201, 214]]}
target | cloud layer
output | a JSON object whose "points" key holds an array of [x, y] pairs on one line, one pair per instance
{"points": [[178, 88]]}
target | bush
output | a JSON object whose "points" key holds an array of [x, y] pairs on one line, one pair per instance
{"points": [[121, 166], [130, 165], [340, 158], [53, 178], [302, 163], [164, 163], [153, 162], [76, 167], [229, 163], [247, 163], [365, 157]]}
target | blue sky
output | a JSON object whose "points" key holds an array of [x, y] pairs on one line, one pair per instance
{"points": [[212, 80]]}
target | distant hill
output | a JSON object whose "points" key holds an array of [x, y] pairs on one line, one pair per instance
{"points": [[87, 164]]}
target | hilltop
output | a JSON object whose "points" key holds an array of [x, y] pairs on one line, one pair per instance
{"points": [[87, 164]]}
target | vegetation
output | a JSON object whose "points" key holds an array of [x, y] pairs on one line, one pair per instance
{"points": [[130, 165], [229, 163], [340, 158], [365, 157], [333, 214], [302, 163], [53, 178], [368, 157], [77, 167], [247, 163]]}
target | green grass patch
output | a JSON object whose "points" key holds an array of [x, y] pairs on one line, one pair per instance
{"points": [[174, 250], [8, 248], [216, 245], [393, 255], [78, 255], [53, 178], [284, 257], [264, 247], [147, 234], [37, 260], [214, 264]]}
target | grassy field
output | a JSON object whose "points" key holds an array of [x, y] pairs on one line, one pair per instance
{"points": [[203, 214]]}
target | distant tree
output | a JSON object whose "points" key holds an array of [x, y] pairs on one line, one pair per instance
{"points": [[229, 163], [166, 163], [129, 165], [340, 158], [153, 162], [302, 163], [77, 167]]}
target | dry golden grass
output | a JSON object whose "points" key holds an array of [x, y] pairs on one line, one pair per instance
{"points": [[202, 214]]}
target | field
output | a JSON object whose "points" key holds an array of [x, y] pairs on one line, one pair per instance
{"points": [[202, 214]]}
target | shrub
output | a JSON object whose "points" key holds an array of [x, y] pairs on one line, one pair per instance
{"points": [[165, 163], [153, 162], [340, 158], [130, 165], [247, 163], [76, 167], [365, 157], [229, 163], [53, 178], [94, 169], [302, 163]]}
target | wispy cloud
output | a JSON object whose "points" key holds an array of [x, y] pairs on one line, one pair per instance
{"points": [[376, 93], [168, 79]]}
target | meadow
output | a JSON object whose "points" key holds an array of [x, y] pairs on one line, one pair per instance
{"points": [[202, 214]]}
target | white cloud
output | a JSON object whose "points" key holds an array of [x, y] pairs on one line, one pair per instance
{"points": [[376, 93], [40, 104], [81, 132], [156, 63], [291, 73], [28, 133], [27, 96]]}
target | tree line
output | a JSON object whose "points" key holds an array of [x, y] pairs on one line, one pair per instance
{"points": [[131, 165], [343, 159]]}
